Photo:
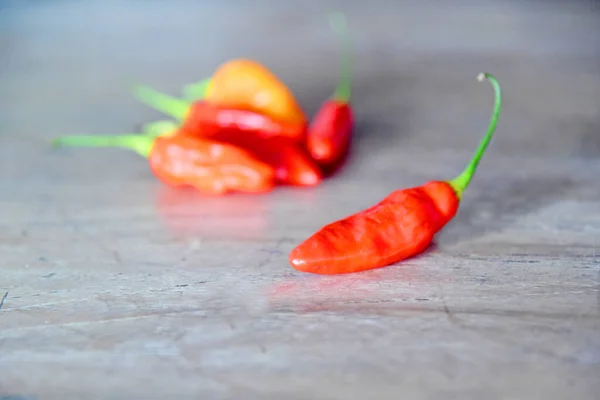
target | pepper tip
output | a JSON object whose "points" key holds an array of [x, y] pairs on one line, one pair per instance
{"points": [[481, 76]]}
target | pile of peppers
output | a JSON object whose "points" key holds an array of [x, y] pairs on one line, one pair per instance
{"points": [[241, 130]]}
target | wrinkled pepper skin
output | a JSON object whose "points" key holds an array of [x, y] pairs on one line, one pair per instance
{"points": [[400, 226], [290, 162], [247, 84], [330, 133], [207, 119], [208, 166]]}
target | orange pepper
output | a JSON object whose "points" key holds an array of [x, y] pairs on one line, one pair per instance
{"points": [[247, 84], [209, 166], [291, 163], [209, 117]]}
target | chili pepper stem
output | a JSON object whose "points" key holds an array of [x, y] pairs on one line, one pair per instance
{"points": [[343, 90], [159, 128], [164, 103], [461, 182], [196, 91], [139, 143]]}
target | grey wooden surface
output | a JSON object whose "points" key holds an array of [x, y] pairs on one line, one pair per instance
{"points": [[120, 288]]}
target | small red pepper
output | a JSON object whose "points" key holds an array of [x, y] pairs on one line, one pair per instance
{"points": [[209, 118], [293, 166], [177, 160], [400, 226], [330, 132]]}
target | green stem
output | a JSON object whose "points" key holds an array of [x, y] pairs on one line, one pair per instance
{"points": [[460, 183], [343, 90], [196, 91], [139, 143], [164, 103], [159, 128]]}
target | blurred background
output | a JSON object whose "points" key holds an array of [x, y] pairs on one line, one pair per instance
{"points": [[67, 66], [89, 233]]}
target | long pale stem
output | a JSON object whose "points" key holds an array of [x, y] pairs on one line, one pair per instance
{"points": [[461, 182], [343, 90], [164, 103], [139, 143]]}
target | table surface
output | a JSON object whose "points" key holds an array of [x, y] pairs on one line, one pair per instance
{"points": [[118, 287]]}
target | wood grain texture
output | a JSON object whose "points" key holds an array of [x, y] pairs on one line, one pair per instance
{"points": [[120, 288]]}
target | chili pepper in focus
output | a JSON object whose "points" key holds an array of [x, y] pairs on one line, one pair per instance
{"points": [[330, 132], [249, 85], [402, 225], [208, 166], [202, 118]]}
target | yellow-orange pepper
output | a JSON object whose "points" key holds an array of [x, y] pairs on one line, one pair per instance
{"points": [[247, 84]]}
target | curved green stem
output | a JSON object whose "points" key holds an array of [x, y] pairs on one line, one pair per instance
{"points": [[196, 91], [139, 143], [460, 183], [164, 103], [159, 128], [343, 91]]}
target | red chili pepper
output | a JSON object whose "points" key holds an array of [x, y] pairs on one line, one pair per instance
{"points": [[292, 165], [177, 160], [209, 118], [330, 133], [400, 226]]}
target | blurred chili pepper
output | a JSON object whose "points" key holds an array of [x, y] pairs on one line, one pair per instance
{"points": [[248, 85], [330, 132], [211, 119], [203, 118], [172, 106], [400, 226], [177, 160], [292, 165]]}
